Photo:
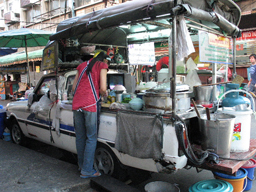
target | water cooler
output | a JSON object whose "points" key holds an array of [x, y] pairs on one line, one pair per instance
{"points": [[242, 127]]}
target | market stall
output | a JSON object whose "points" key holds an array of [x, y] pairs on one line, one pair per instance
{"points": [[129, 33]]}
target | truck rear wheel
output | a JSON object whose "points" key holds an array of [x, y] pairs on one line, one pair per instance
{"points": [[107, 163]]}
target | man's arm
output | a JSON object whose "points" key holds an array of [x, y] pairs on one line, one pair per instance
{"points": [[75, 82], [103, 82], [249, 82]]}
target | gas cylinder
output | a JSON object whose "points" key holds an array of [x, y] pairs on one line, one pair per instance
{"points": [[232, 99]]}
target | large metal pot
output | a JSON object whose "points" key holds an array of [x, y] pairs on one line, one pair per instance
{"points": [[161, 102]]}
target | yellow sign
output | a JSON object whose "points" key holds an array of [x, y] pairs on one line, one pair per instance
{"points": [[219, 41], [38, 69], [50, 57]]}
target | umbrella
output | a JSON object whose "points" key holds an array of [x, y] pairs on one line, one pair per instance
{"points": [[24, 37]]}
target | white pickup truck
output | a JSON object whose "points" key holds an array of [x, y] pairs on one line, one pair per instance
{"points": [[51, 122]]}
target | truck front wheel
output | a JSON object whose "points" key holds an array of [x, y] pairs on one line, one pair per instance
{"points": [[17, 135]]}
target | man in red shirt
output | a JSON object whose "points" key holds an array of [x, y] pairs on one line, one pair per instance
{"points": [[90, 82]]}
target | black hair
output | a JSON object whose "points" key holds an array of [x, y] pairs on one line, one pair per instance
{"points": [[100, 57], [252, 55]]}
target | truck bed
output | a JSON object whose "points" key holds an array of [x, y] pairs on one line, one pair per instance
{"points": [[231, 166]]}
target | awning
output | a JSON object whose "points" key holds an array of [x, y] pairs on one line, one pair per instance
{"points": [[137, 14], [246, 22], [7, 50], [19, 58]]}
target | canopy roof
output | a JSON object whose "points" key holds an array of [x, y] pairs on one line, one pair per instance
{"points": [[113, 25], [20, 57]]}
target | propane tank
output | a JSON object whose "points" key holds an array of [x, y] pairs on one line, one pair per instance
{"points": [[232, 99]]}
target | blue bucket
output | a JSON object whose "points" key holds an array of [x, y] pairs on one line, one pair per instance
{"points": [[212, 185], [2, 116], [249, 166]]}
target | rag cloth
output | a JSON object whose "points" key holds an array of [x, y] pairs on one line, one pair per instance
{"points": [[139, 135]]}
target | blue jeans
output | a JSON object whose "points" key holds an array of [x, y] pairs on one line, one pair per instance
{"points": [[86, 139]]}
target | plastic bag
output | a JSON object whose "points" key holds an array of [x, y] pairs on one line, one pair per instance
{"points": [[192, 79], [43, 106], [191, 64]]}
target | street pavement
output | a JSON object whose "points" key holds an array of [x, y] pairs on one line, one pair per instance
{"points": [[25, 170]]}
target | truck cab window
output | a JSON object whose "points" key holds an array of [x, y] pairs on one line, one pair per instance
{"points": [[45, 86], [69, 85]]}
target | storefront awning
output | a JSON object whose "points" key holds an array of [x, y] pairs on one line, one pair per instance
{"points": [[7, 50], [19, 58], [246, 22]]}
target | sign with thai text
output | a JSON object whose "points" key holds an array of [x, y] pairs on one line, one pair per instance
{"points": [[142, 54], [247, 35], [215, 48]]}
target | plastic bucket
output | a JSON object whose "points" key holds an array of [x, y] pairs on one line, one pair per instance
{"points": [[161, 186], [2, 116], [242, 129], [249, 166], [7, 136], [217, 133], [236, 181], [212, 185]]}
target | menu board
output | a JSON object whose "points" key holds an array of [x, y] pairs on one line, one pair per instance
{"points": [[142, 54], [215, 48]]}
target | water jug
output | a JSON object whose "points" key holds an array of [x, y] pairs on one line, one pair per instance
{"points": [[232, 99]]}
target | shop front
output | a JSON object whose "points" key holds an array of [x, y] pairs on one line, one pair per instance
{"points": [[13, 71]]}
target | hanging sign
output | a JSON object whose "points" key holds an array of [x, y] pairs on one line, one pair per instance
{"points": [[142, 54], [50, 56], [215, 48]]}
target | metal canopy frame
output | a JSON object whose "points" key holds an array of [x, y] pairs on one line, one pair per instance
{"points": [[147, 16]]}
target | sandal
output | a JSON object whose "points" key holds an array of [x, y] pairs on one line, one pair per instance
{"points": [[95, 174]]}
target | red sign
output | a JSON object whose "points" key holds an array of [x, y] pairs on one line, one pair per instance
{"points": [[247, 35], [237, 127]]}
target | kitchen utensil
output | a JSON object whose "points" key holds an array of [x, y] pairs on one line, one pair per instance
{"points": [[197, 112], [208, 113]]}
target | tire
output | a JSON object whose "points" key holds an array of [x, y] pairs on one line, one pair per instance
{"points": [[107, 163], [17, 135]]}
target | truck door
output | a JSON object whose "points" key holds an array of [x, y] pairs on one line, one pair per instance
{"points": [[39, 120], [63, 132]]}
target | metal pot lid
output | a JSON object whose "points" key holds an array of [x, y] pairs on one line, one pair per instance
{"points": [[165, 88]]}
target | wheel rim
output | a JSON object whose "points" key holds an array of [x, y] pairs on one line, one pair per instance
{"points": [[16, 134], [104, 161]]}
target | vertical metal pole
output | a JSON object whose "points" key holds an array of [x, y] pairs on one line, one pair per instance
{"points": [[170, 54], [214, 80], [26, 50], [34, 73], [234, 58], [73, 9], [226, 73], [173, 78]]}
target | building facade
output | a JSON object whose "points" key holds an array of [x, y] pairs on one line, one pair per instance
{"points": [[46, 14]]}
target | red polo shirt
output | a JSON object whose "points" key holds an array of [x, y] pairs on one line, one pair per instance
{"points": [[84, 97]]}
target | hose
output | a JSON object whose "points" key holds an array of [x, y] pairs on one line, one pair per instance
{"points": [[188, 151]]}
